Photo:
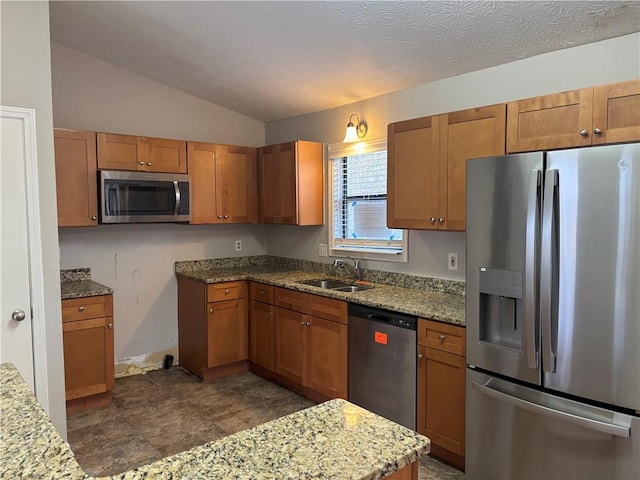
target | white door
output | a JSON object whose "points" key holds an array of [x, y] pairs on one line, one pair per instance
{"points": [[16, 344]]}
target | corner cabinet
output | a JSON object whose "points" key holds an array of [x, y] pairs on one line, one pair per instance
{"points": [[441, 389], [590, 116], [223, 183], [147, 154], [261, 326], [291, 182], [426, 167], [76, 177], [87, 338], [212, 328]]}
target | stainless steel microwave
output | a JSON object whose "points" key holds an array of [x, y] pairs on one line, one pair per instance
{"points": [[143, 197]]}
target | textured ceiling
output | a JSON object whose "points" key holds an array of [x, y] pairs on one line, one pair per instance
{"points": [[274, 60]]}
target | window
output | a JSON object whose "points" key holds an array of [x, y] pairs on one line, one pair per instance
{"points": [[358, 225]]}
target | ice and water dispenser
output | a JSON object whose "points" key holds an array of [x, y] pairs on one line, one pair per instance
{"points": [[501, 309]]}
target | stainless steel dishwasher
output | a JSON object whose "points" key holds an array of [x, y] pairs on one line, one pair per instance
{"points": [[383, 363]]}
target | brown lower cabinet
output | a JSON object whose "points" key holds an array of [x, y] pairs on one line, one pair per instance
{"points": [[87, 337], [441, 389], [212, 328], [300, 340]]}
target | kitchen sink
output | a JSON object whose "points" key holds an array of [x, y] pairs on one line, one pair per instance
{"points": [[335, 285]]}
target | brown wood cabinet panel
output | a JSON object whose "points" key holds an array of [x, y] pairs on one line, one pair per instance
{"points": [[410, 472], [202, 171], [129, 152], [473, 133], [261, 333], [550, 121], [292, 299], [217, 292], [441, 384], [441, 336], [87, 337], [192, 328], [616, 113], [291, 345], [291, 181], [236, 184], [76, 177], [329, 308], [413, 163], [262, 292], [327, 357], [227, 334]]}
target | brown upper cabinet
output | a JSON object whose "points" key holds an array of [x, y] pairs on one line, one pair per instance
{"points": [[76, 179], [291, 183], [224, 183], [590, 116], [426, 167], [147, 154]]}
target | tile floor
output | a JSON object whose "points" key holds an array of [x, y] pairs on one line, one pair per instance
{"points": [[167, 411]]}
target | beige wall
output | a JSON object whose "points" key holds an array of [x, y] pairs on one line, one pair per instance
{"points": [[603, 62], [26, 82], [137, 260]]}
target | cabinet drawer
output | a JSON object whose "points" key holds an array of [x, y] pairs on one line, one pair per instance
{"points": [[441, 336], [217, 292], [292, 299], [262, 293], [87, 307], [328, 308]]}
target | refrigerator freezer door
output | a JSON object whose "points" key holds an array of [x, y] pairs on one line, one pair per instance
{"points": [[503, 211], [515, 432], [591, 320]]}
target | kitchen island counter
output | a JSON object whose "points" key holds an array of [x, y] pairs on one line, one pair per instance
{"points": [[444, 307], [333, 440]]}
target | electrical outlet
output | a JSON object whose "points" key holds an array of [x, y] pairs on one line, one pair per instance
{"points": [[322, 249], [452, 261], [238, 245]]}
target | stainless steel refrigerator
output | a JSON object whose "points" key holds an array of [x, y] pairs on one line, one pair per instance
{"points": [[553, 315]]}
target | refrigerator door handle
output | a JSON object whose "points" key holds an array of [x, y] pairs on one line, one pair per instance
{"points": [[531, 271], [547, 271], [619, 426]]}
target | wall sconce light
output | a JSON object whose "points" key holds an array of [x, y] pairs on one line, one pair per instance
{"points": [[355, 131]]}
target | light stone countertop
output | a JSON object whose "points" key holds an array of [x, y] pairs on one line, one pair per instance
{"points": [[83, 288], [331, 441], [445, 307]]}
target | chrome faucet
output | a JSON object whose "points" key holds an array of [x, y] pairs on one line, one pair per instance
{"points": [[345, 261]]}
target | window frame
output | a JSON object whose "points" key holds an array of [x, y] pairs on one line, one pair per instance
{"points": [[341, 150]]}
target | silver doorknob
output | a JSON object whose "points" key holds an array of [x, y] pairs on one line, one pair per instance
{"points": [[432, 219], [93, 217], [584, 133], [420, 356], [141, 163], [18, 315], [441, 338], [148, 164], [226, 216], [441, 220], [597, 131], [109, 325]]}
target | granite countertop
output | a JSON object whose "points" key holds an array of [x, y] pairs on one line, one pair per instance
{"points": [[333, 440], [445, 307], [77, 283]]}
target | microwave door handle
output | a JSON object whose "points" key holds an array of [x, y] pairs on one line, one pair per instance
{"points": [[547, 271], [531, 270], [176, 188]]}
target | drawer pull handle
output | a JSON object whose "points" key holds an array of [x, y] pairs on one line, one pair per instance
{"points": [[302, 323], [441, 338], [420, 356], [109, 325], [261, 292], [81, 309], [211, 310], [227, 291]]}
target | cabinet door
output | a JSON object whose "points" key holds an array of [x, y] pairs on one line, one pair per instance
{"points": [[236, 184], [118, 152], [616, 113], [473, 133], [164, 155], [441, 390], [226, 332], [202, 171], [309, 175], [270, 185], [261, 333], [288, 184], [561, 120], [412, 173], [291, 345], [88, 357], [327, 357], [76, 177]]}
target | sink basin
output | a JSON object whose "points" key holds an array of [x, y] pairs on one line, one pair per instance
{"points": [[351, 288], [328, 284], [335, 285]]}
